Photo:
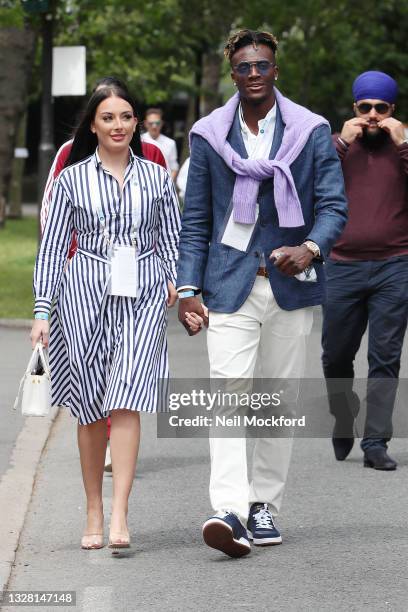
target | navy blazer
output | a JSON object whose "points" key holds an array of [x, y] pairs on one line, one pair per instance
{"points": [[226, 275]]}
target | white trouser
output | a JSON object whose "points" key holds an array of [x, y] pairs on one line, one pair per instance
{"points": [[259, 329]]}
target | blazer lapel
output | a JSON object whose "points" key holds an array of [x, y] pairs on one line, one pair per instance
{"points": [[277, 137], [235, 138]]}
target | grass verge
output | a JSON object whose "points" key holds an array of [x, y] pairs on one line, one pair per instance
{"points": [[18, 249]]}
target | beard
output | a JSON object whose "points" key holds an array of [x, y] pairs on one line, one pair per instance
{"points": [[374, 140]]}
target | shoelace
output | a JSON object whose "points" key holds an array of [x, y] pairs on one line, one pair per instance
{"points": [[263, 518]]}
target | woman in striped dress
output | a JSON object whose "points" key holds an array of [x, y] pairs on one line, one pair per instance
{"points": [[111, 325]]}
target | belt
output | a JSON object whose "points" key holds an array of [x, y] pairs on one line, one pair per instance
{"points": [[106, 261], [128, 333], [262, 271]]}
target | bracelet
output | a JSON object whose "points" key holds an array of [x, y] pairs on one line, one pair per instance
{"points": [[41, 315], [343, 143], [186, 294]]}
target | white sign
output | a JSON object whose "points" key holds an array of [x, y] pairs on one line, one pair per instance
{"points": [[69, 71], [21, 153]]}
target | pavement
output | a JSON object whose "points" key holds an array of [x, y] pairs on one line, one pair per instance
{"points": [[344, 527]]}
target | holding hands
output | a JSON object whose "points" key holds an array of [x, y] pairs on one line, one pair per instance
{"points": [[192, 315]]}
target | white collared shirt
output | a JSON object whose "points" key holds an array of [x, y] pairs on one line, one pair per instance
{"points": [[259, 145], [167, 146]]}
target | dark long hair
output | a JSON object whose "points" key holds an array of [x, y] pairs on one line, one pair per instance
{"points": [[85, 141]]}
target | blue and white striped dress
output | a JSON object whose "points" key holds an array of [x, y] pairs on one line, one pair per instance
{"points": [[107, 352]]}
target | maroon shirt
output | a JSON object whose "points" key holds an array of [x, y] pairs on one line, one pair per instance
{"points": [[377, 191]]}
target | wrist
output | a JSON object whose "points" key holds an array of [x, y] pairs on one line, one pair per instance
{"points": [[186, 293], [343, 142], [312, 247], [42, 316]]}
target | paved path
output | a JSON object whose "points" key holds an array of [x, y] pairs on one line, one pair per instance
{"points": [[344, 528], [14, 355]]}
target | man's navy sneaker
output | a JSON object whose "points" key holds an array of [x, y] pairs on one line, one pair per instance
{"points": [[225, 532], [261, 528]]}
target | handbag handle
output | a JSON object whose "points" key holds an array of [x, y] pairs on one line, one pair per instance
{"points": [[44, 358], [37, 352]]}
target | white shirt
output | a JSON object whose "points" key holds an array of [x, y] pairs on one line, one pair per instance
{"points": [[181, 180], [167, 146], [258, 146]]}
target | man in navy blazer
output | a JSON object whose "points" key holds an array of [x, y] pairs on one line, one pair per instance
{"points": [[252, 257]]}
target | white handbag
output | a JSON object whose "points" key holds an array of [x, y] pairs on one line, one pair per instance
{"points": [[36, 399]]}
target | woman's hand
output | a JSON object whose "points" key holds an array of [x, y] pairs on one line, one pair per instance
{"points": [[172, 294], [40, 332], [195, 322]]}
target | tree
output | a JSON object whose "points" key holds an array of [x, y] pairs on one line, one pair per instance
{"points": [[17, 41], [325, 44]]}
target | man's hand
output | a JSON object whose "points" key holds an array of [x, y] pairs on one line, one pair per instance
{"points": [[394, 128], [40, 332], [291, 260], [353, 128], [192, 314]]}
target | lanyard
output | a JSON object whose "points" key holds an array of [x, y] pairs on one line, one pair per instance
{"points": [[136, 206]]}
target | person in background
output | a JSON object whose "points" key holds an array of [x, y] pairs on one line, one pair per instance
{"points": [[367, 271], [110, 304], [153, 124], [149, 151], [181, 180]]}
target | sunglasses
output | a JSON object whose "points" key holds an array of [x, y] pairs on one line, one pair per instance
{"points": [[262, 67], [154, 123], [381, 108]]}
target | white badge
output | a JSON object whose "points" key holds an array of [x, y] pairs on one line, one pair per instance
{"points": [[124, 276], [238, 235]]}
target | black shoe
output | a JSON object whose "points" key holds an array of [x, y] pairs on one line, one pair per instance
{"points": [[342, 447], [225, 532], [379, 459], [343, 436]]}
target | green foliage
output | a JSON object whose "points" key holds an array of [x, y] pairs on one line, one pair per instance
{"points": [[11, 14], [157, 46], [18, 248]]}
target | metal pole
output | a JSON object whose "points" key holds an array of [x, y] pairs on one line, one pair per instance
{"points": [[46, 150]]}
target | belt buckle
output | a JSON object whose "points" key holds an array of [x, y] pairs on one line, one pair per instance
{"points": [[262, 271]]}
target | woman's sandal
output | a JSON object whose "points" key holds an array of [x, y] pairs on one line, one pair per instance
{"points": [[121, 540], [92, 540]]}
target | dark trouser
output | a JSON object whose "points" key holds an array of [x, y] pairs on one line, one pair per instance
{"points": [[373, 293]]}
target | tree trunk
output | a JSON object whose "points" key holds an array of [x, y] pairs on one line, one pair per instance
{"points": [[211, 74], [17, 53], [16, 182]]}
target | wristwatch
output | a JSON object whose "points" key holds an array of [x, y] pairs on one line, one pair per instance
{"points": [[313, 248]]}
